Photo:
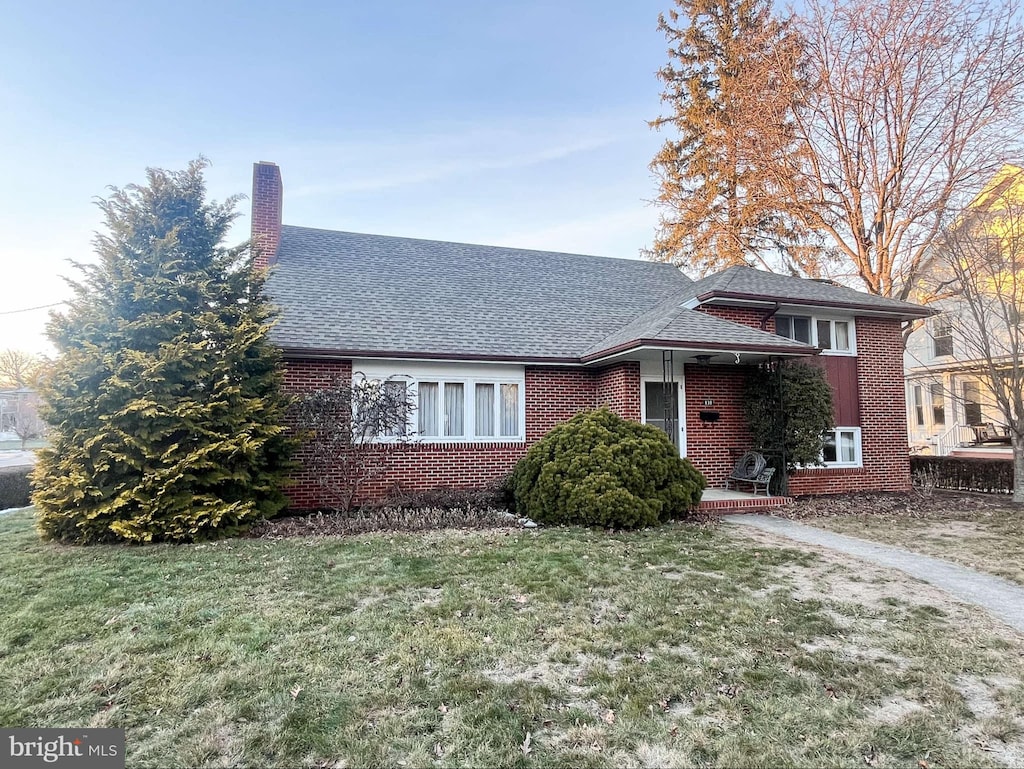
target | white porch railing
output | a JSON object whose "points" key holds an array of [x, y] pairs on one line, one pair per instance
{"points": [[954, 437]]}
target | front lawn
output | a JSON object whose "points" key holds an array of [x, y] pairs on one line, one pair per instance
{"points": [[981, 531], [677, 647]]}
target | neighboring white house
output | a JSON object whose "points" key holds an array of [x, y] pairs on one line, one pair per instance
{"points": [[950, 407]]}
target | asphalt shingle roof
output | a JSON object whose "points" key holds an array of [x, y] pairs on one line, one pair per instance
{"points": [[353, 293], [349, 294], [670, 322], [754, 283]]}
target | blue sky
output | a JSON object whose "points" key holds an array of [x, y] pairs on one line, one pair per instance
{"points": [[512, 123]]}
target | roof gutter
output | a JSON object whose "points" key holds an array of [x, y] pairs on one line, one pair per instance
{"points": [[292, 353], [909, 312], [657, 344]]}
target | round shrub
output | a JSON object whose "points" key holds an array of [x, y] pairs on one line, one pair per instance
{"points": [[599, 469]]}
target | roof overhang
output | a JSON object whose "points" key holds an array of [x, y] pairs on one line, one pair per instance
{"points": [[309, 353], [732, 299], [718, 353]]}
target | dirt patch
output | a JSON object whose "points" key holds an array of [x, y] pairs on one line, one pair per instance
{"points": [[895, 710]]}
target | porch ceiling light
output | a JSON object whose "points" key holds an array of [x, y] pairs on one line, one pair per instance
{"points": [[702, 359]]}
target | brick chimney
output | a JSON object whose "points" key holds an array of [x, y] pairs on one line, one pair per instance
{"points": [[267, 193]]}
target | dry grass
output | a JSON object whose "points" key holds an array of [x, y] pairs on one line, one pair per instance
{"points": [[981, 531], [684, 646]]}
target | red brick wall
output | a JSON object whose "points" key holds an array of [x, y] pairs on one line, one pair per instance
{"points": [[267, 197], [743, 316], [883, 419], [553, 395], [618, 388], [713, 446]]}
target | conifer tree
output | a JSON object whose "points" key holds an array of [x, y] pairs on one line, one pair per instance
{"points": [[165, 400], [730, 88]]}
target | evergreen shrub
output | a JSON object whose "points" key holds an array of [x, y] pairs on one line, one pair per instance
{"points": [[165, 403], [15, 488], [599, 469]]}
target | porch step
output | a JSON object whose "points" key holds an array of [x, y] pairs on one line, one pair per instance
{"points": [[722, 501]]}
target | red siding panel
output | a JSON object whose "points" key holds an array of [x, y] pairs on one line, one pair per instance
{"points": [[841, 372]]}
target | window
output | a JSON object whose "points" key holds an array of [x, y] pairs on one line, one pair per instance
{"points": [[919, 405], [835, 337], [396, 393], [453, 402], [794, 327], [942, 337], [509, 410], [842, 447], [381, 407], [484, 409], [938, 394], [972, 403]]}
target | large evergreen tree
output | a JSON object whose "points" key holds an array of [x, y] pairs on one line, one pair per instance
{"points": [[730, 89], [165, 400]]}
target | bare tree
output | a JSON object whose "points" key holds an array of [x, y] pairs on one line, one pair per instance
{"points": [[28, 425], [983, 255], [18, 368], [729, 93], [910, 106], [344, 427]]}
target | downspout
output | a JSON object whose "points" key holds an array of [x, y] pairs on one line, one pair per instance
{"points": [[768, 316]]}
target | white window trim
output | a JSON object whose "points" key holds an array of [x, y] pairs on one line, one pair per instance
{"points": [[832, 320], [857, 448], [469, 376]]}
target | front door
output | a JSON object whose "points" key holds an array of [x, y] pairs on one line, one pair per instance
{"points": [[659, 404]]}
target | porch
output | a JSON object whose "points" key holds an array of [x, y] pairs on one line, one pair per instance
{"points": [[726, 500]]}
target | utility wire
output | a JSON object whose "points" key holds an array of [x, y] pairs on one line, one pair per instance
{"points": [[30, 309]]}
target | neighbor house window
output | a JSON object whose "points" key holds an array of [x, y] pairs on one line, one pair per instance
{"points": [[942, 337], [833, 336], [972, 403], [451, 402], [842, 447], [938, 394], [919, 405]]}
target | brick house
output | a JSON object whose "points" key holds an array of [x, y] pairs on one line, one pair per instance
{"points": [[499, 345]]}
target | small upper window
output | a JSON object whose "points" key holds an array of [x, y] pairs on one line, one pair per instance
{"points": [[835, 336], [794, 327], [942, 337]]}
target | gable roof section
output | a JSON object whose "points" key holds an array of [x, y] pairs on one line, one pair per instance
{"points": [[746, 284], [344, 293], [672, 324]]}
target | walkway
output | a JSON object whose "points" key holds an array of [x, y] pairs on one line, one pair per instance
{"points": [[999, 597]]}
